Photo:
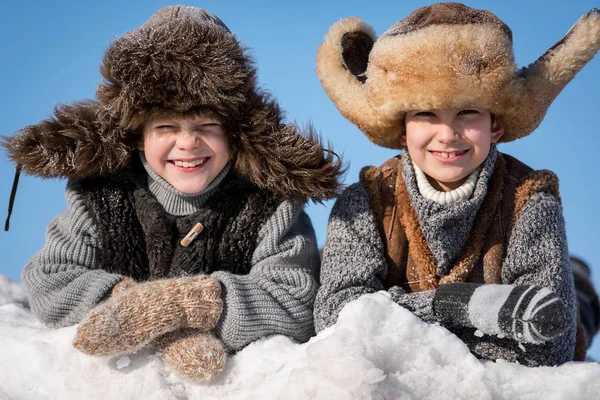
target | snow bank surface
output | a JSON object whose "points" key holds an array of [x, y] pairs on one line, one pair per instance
{"points": [[377, 350], [12, 292]]}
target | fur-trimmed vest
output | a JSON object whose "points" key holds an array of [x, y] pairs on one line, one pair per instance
{"points": [[140, 240], [411, 263]]}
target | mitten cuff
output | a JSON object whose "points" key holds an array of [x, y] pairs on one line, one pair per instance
{"points": [[202, 302], [125, 284], [451, 303]]}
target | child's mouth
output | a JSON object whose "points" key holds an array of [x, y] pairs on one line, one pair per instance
{"points": [[190, 164], [449, 155]]}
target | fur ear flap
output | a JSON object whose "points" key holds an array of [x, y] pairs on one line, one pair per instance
{"points": [[344, 55], [290, 163], [537, 85], [342, 60], [355, 48], [79, 141], [283, 159]]}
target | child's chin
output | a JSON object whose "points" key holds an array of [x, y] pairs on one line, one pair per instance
{"points": [[449, 178], [190, 189]]}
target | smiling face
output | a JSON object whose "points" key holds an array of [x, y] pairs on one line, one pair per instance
{"points": [[448, 145], [187, 152]]}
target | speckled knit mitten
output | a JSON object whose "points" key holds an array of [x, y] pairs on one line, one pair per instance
{"points": [[529, 314], [125, 284], [191, 353], [134, 316], [196, 355]]}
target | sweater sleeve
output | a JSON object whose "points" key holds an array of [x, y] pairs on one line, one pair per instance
{"points": [[62, 280], [354, 261], [277, 295], [537, 255]]}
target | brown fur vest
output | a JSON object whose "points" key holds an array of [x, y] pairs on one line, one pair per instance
{"points": [[410, 261], [139, 240]]}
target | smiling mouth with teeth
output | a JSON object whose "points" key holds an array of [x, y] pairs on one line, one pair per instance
{"points": [[448, 155], [190, 164]]}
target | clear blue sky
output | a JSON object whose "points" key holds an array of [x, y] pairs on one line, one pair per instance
{"points": [[51, 51]]}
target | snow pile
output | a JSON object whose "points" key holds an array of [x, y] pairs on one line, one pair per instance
{"points": [[12, 292], [377, 350]]}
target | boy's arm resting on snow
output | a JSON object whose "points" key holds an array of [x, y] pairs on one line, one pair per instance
{"points": [[354, 265], [537, 260], [62, 280], [354, 261], [538, 255], [277, 295]]}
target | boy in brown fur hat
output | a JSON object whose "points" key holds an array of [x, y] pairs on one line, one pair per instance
{"points": [[185, 228], [455, 231]]}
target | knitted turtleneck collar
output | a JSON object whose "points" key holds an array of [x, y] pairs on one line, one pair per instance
{"points": [[420, 201], [175, 202], [460, 193], [446, 244]]}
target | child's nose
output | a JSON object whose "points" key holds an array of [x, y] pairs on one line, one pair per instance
{"points": [[188, 140], [446, 133]]}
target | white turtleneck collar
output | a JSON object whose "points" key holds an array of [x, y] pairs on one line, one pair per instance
{"points": [[461, 193]]}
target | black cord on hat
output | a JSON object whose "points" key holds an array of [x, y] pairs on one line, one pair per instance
{"points": [[13, 194]]}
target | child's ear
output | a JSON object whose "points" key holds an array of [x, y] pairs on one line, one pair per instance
{"points": [[140, 145], [403, 139], [497, 129]]}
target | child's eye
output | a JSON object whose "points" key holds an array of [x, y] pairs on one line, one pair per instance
{"points": [[208, 128], [165, 128], [424, 114], [467, 112], [208, 125]]}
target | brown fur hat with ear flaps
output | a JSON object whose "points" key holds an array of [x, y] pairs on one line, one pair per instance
{"points": [[445, 56], [182, 60]]}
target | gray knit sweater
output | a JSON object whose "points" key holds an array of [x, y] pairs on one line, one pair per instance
{"points": [[354, 261], [64, 283]]}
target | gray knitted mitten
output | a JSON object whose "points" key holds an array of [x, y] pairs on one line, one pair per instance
{"points": [[529, 314]]}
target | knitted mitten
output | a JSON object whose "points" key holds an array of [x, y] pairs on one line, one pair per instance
{"points": [[134, 316], [419, 303], [529, 314], [125, 284], [191, 353]]}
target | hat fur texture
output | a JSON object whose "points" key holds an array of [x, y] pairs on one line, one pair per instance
{"points": [[445, 56], [183, 60]]}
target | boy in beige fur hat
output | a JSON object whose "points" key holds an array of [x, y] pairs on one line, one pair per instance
{"points": [[454, 230]]}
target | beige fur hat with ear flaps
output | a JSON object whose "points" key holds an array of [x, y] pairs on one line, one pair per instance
{"points": [[182, 60], [445, 56]]}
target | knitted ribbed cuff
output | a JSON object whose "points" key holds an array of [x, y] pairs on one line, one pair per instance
{"points": [[451, 303], [255, 306]]}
